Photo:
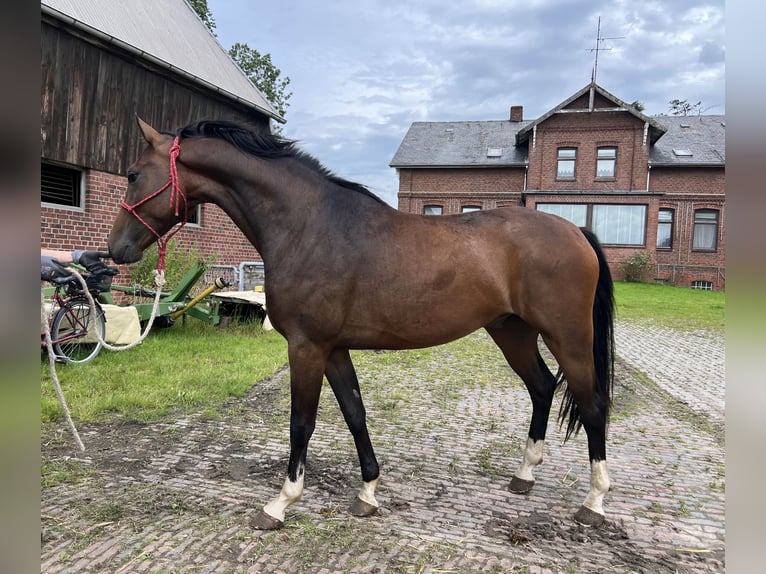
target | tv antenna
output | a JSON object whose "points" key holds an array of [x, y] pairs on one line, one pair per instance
{"points": [[599, 41]]}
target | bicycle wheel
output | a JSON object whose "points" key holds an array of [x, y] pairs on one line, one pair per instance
{"points": [[74, 331]]}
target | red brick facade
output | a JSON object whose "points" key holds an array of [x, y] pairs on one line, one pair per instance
{"points": [[216, 237], [684, 189]]}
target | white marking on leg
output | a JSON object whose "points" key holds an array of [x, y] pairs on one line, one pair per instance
{"points": [[599, 486], [291, 493], [367, 493], [533, 455]]}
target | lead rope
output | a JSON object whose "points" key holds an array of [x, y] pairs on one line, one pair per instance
{"points": [[176, 195], [52, 361], [159, 281]]}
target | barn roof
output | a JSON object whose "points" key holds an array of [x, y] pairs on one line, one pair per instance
{"points": [[168, 33]]}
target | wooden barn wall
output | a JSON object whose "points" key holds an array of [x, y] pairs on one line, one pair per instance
{"points": [[91, 96]]}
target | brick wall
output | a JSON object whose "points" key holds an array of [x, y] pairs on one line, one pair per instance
{"points": [[88, 228], [685, 191], [587, 132], [453, 189]]}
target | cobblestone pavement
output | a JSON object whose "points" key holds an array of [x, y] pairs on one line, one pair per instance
{"points": [[447, 424], [690, 366]]}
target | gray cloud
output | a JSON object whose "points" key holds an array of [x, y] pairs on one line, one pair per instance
{"points": [[712, 53], [362, 71]]}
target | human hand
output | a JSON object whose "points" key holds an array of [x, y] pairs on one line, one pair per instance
{"points": [[52, 268], [91, 260]]}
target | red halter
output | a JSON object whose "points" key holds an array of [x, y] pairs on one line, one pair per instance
{"points": [[175, 198]]}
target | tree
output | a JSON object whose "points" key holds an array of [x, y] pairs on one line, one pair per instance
{"points": [[264, 74], [200, 7], [683, 107], [638, 105], [258, 68]]}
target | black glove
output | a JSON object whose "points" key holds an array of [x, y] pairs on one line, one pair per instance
{"points": [[51, 268], [91, 260]]}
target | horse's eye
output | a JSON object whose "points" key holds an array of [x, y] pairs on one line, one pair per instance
{"points": [[132, 177]]}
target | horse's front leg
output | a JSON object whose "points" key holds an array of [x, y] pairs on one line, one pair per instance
{"points": [[307, 363], [342, 377]]}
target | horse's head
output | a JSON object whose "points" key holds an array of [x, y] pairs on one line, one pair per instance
{"points": [[154, 202]]}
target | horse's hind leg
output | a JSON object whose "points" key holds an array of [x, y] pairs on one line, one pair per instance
{"points": [[342, 377], [590, 406], [518, 342]]}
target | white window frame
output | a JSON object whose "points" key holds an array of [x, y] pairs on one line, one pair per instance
{"points": [[566, 155], [636, 222], [79, 173], [604, 158]]}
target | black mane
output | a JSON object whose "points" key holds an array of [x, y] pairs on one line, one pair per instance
{"points": [[265, 145]]}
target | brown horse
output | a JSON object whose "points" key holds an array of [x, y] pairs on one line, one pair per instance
{"points": [[346, 271]]}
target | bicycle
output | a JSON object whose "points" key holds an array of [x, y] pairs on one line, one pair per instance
{"points": [[76, 331]]}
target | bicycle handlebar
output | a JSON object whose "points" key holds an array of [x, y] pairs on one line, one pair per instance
{"points": [[96, 282]]}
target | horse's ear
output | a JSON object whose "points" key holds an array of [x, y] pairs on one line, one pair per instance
{"points": [[150, 134]]}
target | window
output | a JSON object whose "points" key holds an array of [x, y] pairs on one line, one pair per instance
{"points": [[606, 160], [565, 167], [705, 230], [195, 216], [682, 152], [61, 185], [619, 224], [577, 213], [469, 208], [614, 224], [665, 229], [704, 285], [433, 210]]}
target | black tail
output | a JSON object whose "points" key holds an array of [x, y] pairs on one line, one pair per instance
{"points": [[603, 344]]}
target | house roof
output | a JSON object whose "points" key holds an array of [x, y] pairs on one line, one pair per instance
{"points": [[168, 33], [464, 144], [655, 129], [697, 141]]}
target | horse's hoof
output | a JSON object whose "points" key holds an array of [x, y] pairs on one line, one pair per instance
{"points": [[588, 517], [361, 508], [264, 521], [520, 486]]}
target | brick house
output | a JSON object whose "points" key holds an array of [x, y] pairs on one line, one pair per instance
{"points": [[654, 184], [105, 62]]}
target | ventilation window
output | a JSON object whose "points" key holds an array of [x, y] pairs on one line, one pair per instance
{"points": [[494, 152], [60, 185], [682, 152], [195, 216], [703, 285]]}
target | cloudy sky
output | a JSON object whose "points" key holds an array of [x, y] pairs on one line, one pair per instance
{"points": [[362, 71]]}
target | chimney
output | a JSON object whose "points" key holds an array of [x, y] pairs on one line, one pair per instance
{"points": [[517, 113]]}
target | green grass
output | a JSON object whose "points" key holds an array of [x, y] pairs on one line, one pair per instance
{"points": [[176, 370], [675, 307]]}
